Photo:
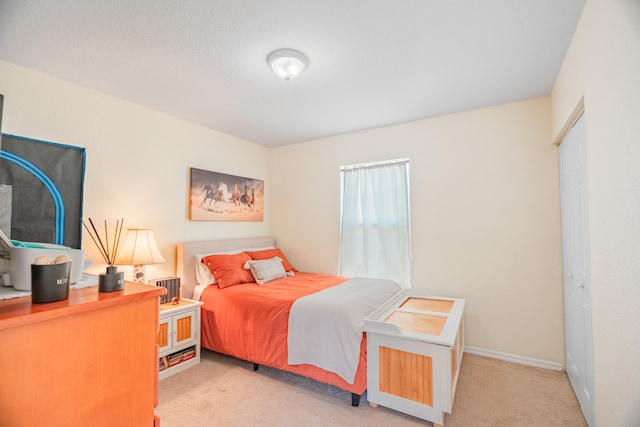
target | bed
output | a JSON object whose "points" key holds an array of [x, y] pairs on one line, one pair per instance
{"points": [[284, 321]]}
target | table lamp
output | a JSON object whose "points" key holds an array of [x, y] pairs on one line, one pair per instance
{"points": [[139, 249]]}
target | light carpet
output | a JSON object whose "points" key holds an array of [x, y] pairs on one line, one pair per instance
{"points": [[223, 391]]}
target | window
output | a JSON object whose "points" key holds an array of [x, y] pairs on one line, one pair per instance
{"points": [[375, 236]]}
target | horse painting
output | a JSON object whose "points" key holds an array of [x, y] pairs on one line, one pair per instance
{"points": [[221, 197]]}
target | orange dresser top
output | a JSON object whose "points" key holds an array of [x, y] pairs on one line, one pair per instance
{"points": [[21, 311]]}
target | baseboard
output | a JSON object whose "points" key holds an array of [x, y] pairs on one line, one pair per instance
{"points": [[538, 363]]}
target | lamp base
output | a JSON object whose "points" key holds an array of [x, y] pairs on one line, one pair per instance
{"points": [[111, 281], [138, 274]]}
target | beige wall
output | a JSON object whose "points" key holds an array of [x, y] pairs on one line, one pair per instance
{"points": [[485, 216], [605, 54], [138, 160]]}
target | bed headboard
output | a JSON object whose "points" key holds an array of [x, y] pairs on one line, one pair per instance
{"points": [[186, 252]]}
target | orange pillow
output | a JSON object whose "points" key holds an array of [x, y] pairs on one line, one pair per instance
{"points": [[228, 270], [270, 253]]}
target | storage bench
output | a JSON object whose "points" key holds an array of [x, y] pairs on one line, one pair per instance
{"points": [[414, 349]]}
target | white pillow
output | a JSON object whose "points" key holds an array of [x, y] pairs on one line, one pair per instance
{"points": [[203, 274], [266, 270]]}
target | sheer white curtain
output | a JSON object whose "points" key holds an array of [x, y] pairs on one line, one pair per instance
{"points": [[375, 236]]}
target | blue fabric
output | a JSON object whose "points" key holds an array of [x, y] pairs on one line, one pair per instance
{"points": [[19, 244]]}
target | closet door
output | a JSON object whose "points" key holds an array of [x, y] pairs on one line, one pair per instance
{"points": [[577, 275]]}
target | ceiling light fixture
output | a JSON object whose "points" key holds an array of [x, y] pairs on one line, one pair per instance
{"points": [[287, 63]]}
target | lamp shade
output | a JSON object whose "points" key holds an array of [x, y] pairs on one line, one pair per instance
{"points": [[139, 248]]}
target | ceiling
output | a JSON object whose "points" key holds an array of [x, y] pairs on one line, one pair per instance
{"points": [[371, 62]]}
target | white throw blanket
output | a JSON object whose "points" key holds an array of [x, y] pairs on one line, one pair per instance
{"points": [[325, 328]]}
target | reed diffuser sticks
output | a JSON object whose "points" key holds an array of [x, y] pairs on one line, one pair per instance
{"points": [[112, 280], [108, 253]]}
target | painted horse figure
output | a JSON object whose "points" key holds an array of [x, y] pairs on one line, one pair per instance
{"points": [[248, 199], [213, 194], [236, 195], [252, 198], [208, 194]]}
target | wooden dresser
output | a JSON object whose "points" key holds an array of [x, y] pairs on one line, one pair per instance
{"points": [[88, 360]]}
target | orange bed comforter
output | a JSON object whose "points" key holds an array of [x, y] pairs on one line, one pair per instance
{"points": [[250, 322]]}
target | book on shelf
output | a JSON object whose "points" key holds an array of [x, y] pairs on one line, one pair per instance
{"points": [[184, 358], [163, 363], [181, 352], [177, 357]]}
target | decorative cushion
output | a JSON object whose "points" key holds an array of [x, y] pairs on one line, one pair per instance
{"points": [[228, 269], [270, 253], [203, 274], [266, 270]]}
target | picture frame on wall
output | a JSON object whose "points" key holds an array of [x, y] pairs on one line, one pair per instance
{"points": [[218, 196]]}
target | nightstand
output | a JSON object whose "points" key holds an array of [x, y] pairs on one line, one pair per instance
{"points": [[178, 336]]}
